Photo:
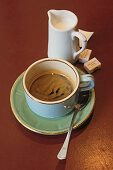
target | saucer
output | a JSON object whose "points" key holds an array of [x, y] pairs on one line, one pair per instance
{"points": [[41, 125]]}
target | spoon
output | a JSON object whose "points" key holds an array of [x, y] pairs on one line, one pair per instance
{"points": [[82, 102]]}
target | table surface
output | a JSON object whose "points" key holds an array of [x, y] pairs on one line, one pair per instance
{"points": [[23, 40]]}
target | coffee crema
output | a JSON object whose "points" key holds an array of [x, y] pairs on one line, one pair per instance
{"points": [[51, 86]]}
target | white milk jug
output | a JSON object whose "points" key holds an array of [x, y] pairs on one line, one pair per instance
{"points": [[63, 36]]}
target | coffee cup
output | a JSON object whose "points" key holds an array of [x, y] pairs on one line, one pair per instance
{"points": [[50, 84]]}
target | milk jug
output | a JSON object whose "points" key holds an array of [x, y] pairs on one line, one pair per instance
{"points": [[63, 36]]}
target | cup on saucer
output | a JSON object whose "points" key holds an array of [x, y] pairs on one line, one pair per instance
{"points": [[50, 84]]}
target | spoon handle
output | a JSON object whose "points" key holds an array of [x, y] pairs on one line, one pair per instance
{"points": [[63, 151]]}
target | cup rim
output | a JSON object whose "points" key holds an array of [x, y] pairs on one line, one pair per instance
{"points": [[50, 102]]}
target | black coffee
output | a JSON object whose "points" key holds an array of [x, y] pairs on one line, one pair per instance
{"points": [[51, 87]]}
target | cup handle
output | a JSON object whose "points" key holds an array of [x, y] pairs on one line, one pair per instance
{"points": [[83, 41], [86, 82]]}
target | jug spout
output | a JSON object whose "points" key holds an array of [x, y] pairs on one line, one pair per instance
{"points": [[56, 18], [62, 19], [52, 14]]}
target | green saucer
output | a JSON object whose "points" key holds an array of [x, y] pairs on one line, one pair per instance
{"points": [[40, 124]]}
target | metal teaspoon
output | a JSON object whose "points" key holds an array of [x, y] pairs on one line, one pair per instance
{"points": [[82, 102]]}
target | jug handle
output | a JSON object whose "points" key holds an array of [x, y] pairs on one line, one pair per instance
{"points": [[83, 41]]}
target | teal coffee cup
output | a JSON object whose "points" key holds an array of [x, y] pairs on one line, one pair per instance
{"points": [[50, 84]]}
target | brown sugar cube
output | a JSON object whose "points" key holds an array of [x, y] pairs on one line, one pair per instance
{"points": [[92, 65], [84, 56]]}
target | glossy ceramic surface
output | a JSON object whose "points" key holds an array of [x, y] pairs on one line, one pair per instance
{"points": [[42, 125], [63, 36], [54, 109]]}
